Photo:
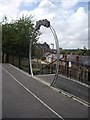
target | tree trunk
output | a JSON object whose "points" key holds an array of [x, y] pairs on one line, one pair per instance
{"points": [[13, 59], [19, 61], [2, 57], [7, 58]]}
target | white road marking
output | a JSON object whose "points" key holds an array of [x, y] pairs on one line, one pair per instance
{"points": [[34, 95], [86, 104], [59, 90]]}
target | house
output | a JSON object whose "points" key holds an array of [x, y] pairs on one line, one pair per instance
{"points": [[78, 59], [77, 66], [44, 48], [51, 57]]}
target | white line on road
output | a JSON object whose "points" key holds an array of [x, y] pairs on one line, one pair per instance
{"points": [[34, 95]]}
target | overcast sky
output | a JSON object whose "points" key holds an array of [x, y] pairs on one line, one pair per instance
{"points": [[69, 18]]}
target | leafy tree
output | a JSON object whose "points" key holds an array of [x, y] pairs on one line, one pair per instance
{"points": [[17, 36], [88, 52], [6, 39], [37, 52], [62, 51], [79, 52]]}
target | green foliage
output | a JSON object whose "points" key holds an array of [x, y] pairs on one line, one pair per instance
{"points": [[62, 51], [36, 52], [16, 36], [88, 52], [78, 51]]}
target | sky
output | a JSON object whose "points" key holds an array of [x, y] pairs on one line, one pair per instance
{"points": [[69, 18]]}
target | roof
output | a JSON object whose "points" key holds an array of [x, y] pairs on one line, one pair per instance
{"points": [[44, 46], [85, 60]]}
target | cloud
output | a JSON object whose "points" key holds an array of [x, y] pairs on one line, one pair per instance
{"points": [[69, 4], [71, 25], [10, 8], [44, 10]]}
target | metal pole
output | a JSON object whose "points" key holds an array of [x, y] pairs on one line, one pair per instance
{"points": [[30, 52], [30, 63], [52, 50], [58, 54]]}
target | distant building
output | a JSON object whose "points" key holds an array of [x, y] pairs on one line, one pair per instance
{"points": [[44, 48], [78, 59], [79, 66], [51, 57]]}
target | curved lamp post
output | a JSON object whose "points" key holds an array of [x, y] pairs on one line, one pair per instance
{"points": [[46, 24]]}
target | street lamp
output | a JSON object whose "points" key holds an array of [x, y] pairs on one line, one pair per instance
{"points": [[46, 24]]}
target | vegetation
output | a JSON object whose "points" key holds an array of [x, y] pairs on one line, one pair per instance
{"points": [[84, 51], [16, 37]]}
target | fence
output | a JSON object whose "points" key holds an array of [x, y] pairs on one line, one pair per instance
{"points": [[75, 71], [69, 69]]}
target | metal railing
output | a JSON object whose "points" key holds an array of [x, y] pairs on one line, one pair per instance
{"points": [[76, 71]]}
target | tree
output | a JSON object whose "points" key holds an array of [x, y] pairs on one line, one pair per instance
{"points": [[79, 52], [84, 50], [62, 51], [17, 36], [7, 39], [37, 52]]}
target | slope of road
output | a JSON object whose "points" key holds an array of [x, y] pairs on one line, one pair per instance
{"points": [[45, 102], [18, 103]]}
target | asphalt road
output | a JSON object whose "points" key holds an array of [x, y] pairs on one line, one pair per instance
{"points": [[26, 97]]}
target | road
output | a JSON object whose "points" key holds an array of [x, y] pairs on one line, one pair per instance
{"points": [[27, 97]]}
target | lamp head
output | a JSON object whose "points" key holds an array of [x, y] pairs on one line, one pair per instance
{"points": [[43, 22]]}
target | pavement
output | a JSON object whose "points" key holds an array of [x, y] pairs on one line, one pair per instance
{"points": [[24, 96]]}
